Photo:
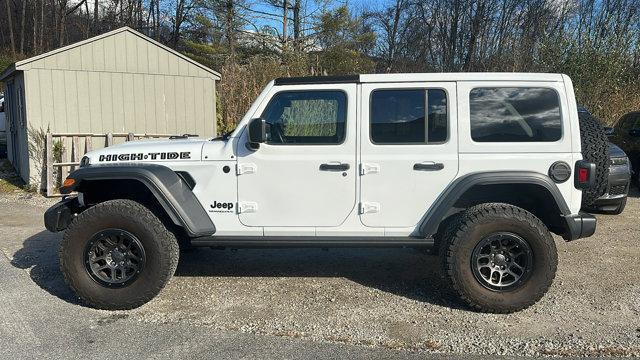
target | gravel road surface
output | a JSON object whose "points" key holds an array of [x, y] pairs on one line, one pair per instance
{"points": [[346, 303]]}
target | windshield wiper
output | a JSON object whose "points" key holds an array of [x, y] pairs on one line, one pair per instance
{"points": [[224, 136]]}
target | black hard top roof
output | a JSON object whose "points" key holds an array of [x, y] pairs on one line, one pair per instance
{"points": [[317, 80]]}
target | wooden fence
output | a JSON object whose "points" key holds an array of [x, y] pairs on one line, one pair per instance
{"points": [[73, 146]]}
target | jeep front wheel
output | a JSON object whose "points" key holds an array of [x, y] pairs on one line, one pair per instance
{"points": [[499, 258], [118, 255]]}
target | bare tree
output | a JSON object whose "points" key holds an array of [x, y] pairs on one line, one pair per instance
{"points": [[10, 23]]}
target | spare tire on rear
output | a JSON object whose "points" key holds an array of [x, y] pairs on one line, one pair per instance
{"points": [[595, 148]]}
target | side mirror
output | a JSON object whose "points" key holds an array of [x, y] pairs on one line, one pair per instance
{"points": [[634, 132], [609, 131], [256, 133]]}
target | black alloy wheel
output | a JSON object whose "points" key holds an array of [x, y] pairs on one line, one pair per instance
{"points": [[114, 258], [502, 261]]}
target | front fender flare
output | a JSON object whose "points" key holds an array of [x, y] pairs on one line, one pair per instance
{"points": [[175, 197]]}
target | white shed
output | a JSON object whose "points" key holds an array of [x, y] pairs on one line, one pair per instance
{"points": [[118, 82]]}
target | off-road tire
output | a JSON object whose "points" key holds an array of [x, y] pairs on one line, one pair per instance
{"points": [[475, 224], [160, 246], [595, 148]]}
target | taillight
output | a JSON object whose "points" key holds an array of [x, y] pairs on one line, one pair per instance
{"points": [[585, 174]]}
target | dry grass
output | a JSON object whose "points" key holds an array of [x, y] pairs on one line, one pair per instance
{"points": [[9, 180], [243, 82]]}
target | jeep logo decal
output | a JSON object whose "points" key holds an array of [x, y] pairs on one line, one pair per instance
{"points": [[145, 156], [221, 206]]}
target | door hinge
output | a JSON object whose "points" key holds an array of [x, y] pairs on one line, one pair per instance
{"points": [[369, 207], [247, 207], [369, 168], [246, 168]]}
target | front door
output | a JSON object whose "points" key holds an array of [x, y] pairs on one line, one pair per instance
{"points": [[409, 150], [305, 174]]}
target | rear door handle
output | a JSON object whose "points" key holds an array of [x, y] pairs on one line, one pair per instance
{"points": [[334, 167], [428, 166]]}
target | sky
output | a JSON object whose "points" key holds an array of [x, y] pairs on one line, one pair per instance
{"points": [[310, 7]]}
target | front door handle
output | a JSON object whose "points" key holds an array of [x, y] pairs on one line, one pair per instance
{"points": [[428, 166], [334, 167]]}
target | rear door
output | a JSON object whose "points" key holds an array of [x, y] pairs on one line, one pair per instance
{"points": [[408, 150]]}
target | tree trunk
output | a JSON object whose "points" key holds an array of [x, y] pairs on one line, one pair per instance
{"points": [[95, 16], [63, 22], [22, 21], [88, 26], [34, 18], [285, 10], [54, 21], [41, 45], [157, 21], [178, 23], [296, 25], [229, 27], [10, 24], [2, 38], [139, 15]]}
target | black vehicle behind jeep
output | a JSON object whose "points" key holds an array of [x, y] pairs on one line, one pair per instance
{"points": [[614, 200], [626, 134]]}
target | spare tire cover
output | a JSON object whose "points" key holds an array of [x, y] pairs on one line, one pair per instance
{"points": [[595, 148]]}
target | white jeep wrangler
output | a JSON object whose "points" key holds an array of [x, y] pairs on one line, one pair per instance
{"points": [[480, 166]]}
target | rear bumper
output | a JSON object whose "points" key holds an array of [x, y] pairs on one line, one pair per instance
{"points": [[580, 226], [59, 216]]}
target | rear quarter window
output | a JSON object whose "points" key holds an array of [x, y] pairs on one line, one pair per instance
{"points": [[515, 114]]}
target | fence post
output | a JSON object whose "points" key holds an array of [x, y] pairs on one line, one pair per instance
{"points": [[65, 158], [75, 149], [49, 163], [88, 144]]}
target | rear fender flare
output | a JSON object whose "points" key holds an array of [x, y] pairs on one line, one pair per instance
{"points": [[435, 214]]}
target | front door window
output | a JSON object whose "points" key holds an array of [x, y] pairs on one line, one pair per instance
{"points": [[306, 118]]}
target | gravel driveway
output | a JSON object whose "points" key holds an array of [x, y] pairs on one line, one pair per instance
{"points": [[372, 298]]}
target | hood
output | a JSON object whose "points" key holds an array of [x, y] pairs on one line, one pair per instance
{"points": [[615, 151], [149, 151]]}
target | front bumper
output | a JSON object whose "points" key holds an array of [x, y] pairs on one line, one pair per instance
{"points": [[580, 226], [59, 216]]}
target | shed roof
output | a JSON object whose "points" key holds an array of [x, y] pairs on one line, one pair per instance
{"points": [[24, 64]]}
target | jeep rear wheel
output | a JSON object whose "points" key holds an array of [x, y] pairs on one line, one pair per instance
{"points": [[499, 258], [118, 255]]}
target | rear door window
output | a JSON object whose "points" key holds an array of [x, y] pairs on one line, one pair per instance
{"points": [[515, 114], [409, 116]]}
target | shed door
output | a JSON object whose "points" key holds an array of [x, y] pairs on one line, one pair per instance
{"points": [[11, 112]]}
